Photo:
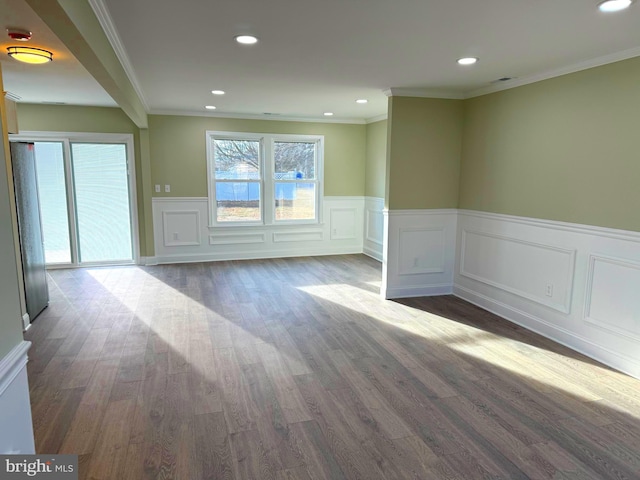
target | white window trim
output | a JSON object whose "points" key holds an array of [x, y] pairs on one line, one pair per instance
{"points": [[267, 181]]}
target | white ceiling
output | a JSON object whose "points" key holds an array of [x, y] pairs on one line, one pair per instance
{"points": [[62, 81], [317, 56]]}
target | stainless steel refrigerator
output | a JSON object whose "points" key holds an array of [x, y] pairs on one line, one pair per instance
{"points": [[23, 162]]}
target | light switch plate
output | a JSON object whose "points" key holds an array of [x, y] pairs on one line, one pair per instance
{"points": [[167, 188], [157, 188]]}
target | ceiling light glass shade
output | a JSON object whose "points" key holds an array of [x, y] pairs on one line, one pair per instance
{"points": [[30, 54], [362, 100], [217, 92], [614, 5], [328, 114], [246, 39], [467, 60], [210, 107]]}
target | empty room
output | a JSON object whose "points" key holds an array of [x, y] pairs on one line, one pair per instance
{"points": [[320, 240]]}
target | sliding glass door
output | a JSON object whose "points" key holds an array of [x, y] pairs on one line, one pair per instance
{"points": [[102, 207], [52, 192], [87, 197]]}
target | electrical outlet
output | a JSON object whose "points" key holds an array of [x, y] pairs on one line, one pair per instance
{"points": [[549, 290], [167, 188], [157, 188]]}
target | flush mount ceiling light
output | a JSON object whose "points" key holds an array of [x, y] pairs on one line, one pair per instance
{"points": [[217, 92], [246, 39], [362, 100], [467, 60], [30, 54], [328, 114], [210, 107], [614, 5]]}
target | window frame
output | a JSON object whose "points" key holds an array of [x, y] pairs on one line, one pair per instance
{"points": [[267, 178]]}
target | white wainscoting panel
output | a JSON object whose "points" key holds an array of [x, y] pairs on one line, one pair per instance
{"points": [[499, 261], [343, 223], [421, 250], [373, 227], [419, 255], [181, 227], [613, 296], [506, 263], [16, 427], [339, 232]]}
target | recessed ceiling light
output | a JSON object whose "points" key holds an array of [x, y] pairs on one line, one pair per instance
{"points": [[614, 5], [328, 114], [467, 60], [210, 107], [362, 100], [246, 39], [217, 92]]}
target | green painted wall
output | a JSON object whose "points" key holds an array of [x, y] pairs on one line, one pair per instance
{"points": [[425, 139], [67, 118], [178, 151], [562, 149], [10, 312], [376, 159]]}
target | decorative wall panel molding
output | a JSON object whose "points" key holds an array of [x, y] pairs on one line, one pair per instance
{"points": [[506, 265], [298, 236], [373, 227], [344, 223], [612, 299], [180, 217], [421, 246], [422, 250], [235, 238], [16, 427], [538, 272], [181, 228]]}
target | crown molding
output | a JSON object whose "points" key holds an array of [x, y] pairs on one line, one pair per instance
{"points": [[576, 67], [250, 116], [423, 93], [377, 118], [106, 22]]}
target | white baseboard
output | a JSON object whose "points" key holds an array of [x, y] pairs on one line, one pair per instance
{"points": [[16, 427], [253, 255], [418, 291], [375, 254], [148, 261], [560, 335]]}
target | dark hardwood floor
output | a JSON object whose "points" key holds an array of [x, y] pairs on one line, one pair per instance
{"points": [[297, 369]]}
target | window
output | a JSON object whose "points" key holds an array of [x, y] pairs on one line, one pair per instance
{"points": [[257, 179]]}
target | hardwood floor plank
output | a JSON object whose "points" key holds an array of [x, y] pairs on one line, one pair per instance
{"points": [[212, 458], [352, 459], [251, 457], [291, 402], [389, 421], [109, 456], [237, 407]]}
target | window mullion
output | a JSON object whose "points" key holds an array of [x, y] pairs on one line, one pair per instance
{"points": [[268, 185]]}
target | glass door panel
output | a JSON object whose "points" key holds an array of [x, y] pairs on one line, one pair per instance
{"points": [[52, 191], [103, 216]]}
